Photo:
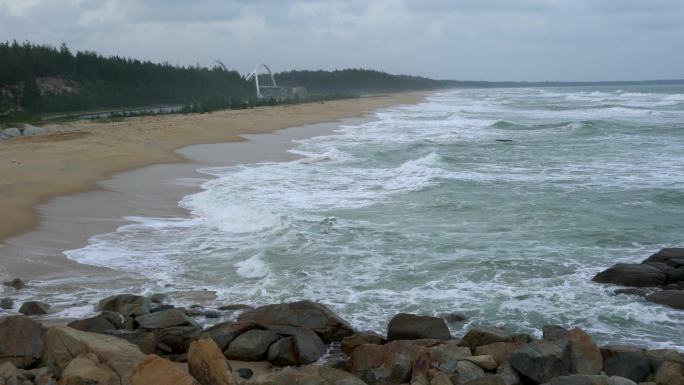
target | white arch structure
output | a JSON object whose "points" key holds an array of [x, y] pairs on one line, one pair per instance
{"points": [[264, 80]]}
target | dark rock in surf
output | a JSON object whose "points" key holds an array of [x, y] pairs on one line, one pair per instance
{"points": [[405, 326], [16, 283], [101, 323], [233, 307], [638, 275], [6, 303], [34, 308], [505, 140], [671, 298], [453, 317], [631, 291], [126, 304], [317, 317]]}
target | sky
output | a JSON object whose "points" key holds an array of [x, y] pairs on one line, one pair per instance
{"points": [[446, 39]]}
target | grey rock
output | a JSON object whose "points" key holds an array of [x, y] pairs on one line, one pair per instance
{"points": [[165, 319], [671, 298], [21, 340], [144, 340], [349, 343], [669, 373], [637, 275], [126, 304], [101, 323], [633, 365], [245, 373], [6, 303], [34, 308], [631, 291], [554, 332], [414, 327], [30, 130], [303, 346], [224, 333], [16, 284], [161, 308], [467, 371], [487, 380], [310, 375], [252, 345], [616, 380], [453, 317], [12, 132], [673, 256], [541, 361], [446, 356], [210, 313], [176, 339]]}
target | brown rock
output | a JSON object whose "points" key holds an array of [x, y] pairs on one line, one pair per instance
{"points": [[483, 335], [144, 340], [305, 314], [165, 319], [585, 355], [21, 340], [446, 356], [486, 362], [126, 304], [541, 361], [224, 333], [303, 344], [16, 283], [207, 363], [349, 343], [671, 298], [252, 345], [34, 308], [87, 369], [101, 323], [177, 339], [63, 344], [405, 326], [155, 370], [669, 373], [392, 362], [310, 375], [500, 351], [6, 303]]}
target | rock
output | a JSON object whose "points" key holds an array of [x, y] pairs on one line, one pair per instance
{"points": [[165, 319], [161, 307], [210, 313], [144, 340], [486, 362], [7, 369], [63, 344], [446, 356], [87, 369], [669, 373], [631, 291], [453, 317], [638, 275], [245, 373], [207, 363], [309, 375], [509, 375], [608, 351], [30, 130], [300, 347], [500, 351], [155, 370], [414, 327], [580, 379], [176, 339], [585, 355], [671, 298], [42, 376], [349, 343], [15, 283], [12, 132], [224, 333], [554, 332], [389, 363], [541, 361], [467, 371], [306, 314], [488, 380], [628, 364], [158, 298], [483, 335], [34, 308], [101, 323], [616, 380], [252, 345], [21, 341], [6, 303], [673, 256], [438, 378], [126, 304], [237, 306], [658, 356]]}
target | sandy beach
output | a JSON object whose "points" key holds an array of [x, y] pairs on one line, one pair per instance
{"points": [[35, 169]]}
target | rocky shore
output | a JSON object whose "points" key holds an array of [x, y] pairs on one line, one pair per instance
{"points": [[141, 340]]}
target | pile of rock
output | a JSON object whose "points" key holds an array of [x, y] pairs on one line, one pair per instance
{"points": [[133, 342], [663, 270], [26, 130]]}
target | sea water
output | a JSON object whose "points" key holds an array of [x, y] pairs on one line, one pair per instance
{"points": [[500, 204]]}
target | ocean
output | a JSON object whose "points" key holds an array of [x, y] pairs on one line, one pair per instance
{"points": [[500, 204]]}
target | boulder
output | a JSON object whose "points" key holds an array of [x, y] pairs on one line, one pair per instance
{"points": [[233, 307], [211, 313], [34, 308], [101, 323], [252, 345], [176, 339], [608, 351], [30, 130], [165, 319], [483, 335], [12, 132], [486, 362], [207, 364], [300, 346], [637, 275], [21, 341], [144, 340], [453, 317], [224, 333], [63, 344], [306, 314], [541, 361], [41, 376], [669, 373], [446, 356], [658, 356], [467, 371], [580, 379], [671, 298], [508, 374], [6, 303], [585, 355], [126, 304], [500, 351], [673, 256], [154, 370], [554, 332], [309, 375], [617, 380], [392, 362], [628, 364], [349, 343], [414, 327], [631, 291], [87, 369], [487, 380]]}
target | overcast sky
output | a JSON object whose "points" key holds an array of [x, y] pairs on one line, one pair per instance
{"points": [[454, 39]]}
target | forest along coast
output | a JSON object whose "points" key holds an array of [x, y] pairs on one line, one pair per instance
{"points": [[144, 340]]}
